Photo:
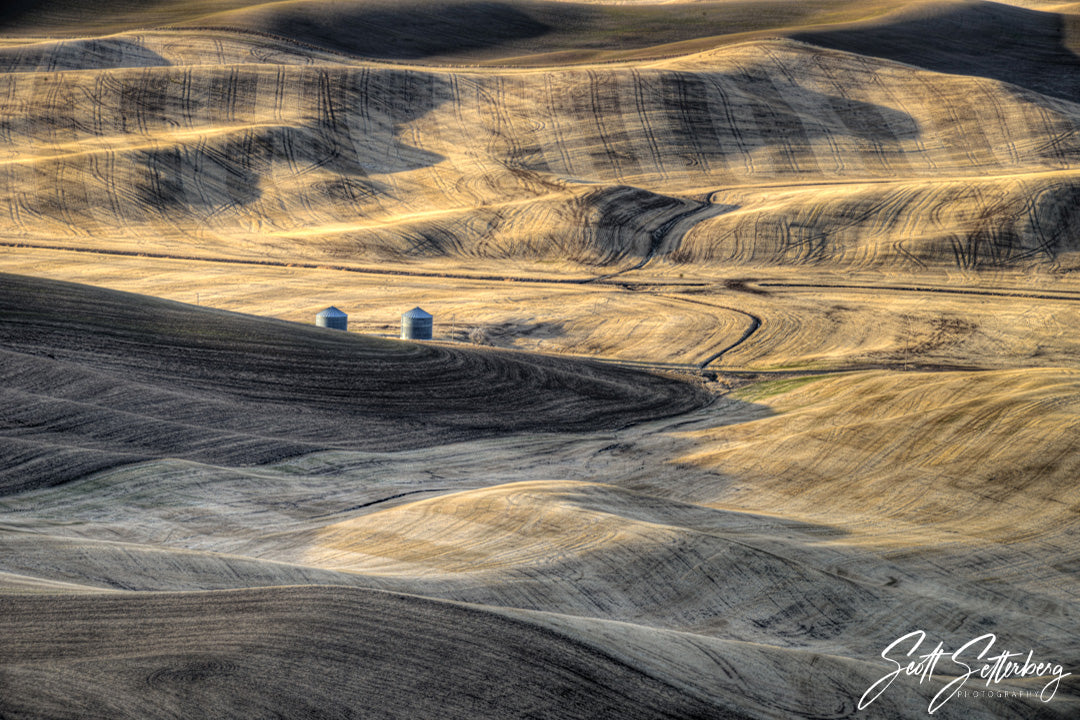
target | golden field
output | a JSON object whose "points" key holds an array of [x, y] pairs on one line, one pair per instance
{"points": [[754, 351]]}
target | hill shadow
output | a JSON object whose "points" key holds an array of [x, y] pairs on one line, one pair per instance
{"points": [[699, 131], [48, 17], [1001, 42], [404, 31], [228, 170], [408, 30], [13, 11]]}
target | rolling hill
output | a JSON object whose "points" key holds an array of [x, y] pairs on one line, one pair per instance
{"points": [[772, 151], [754, 351], [94, 378]]}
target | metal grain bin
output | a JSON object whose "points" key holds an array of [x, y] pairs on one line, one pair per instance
{"points": [[416, 325], [332, 318]]}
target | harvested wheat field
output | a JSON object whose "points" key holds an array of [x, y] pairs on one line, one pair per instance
{"points": [[753, 392]]}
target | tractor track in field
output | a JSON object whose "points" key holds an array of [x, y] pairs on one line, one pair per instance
{"points": [[299, 265], [755, 321], [662, 235], [755, 324], [600, 280], [989, 292], [597, 280]]}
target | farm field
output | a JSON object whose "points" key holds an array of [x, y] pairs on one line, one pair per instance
{"points": [[755, 351]]}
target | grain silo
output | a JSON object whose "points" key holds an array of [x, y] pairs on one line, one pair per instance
{"points": [[416, 325], [332, 318]]}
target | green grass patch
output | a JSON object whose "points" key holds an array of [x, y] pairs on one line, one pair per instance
{"points": [[771, 388]]}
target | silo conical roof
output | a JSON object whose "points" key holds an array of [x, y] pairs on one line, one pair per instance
{"points": [[416, 312], [330, 312]]}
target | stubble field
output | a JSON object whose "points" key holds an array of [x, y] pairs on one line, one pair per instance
{"points": [[754, 352]]}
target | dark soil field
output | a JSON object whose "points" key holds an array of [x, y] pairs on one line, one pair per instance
{"points": [[754, 373], [95, 378]]}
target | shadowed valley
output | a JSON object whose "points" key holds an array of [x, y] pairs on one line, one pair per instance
{"points": [[754, 351]]}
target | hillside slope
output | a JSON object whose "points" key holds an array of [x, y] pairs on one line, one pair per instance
{"points": [[855, 222], [95, 378], [351, 651], [508, 31], [224, 144]]}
